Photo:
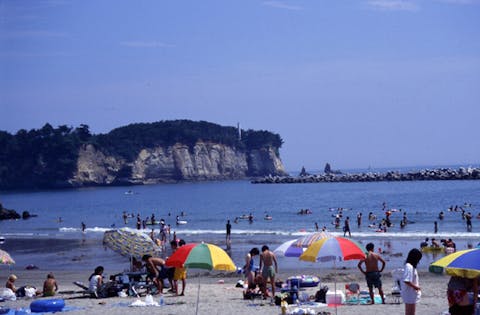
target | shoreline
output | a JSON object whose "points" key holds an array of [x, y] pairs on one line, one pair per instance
{"points": [[81, 254]]}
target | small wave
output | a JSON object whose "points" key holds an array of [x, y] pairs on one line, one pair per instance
{"points": [[76, 230]]}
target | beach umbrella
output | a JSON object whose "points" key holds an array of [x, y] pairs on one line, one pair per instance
{"points": [[289, 249], [5, 258], [333, 249], [296, 247], [464, 263], [130, 243], [201, 256]]}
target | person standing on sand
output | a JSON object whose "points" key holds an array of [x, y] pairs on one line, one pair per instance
{"points": [[410, 286], [267, 260], [372, 272], [154, 265], [180, 274], [249, 268]]}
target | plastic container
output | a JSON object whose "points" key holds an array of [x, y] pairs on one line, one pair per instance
{"points": [[162, 301]]}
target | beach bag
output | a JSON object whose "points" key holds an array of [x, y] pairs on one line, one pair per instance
{"points": [[321, 295]]}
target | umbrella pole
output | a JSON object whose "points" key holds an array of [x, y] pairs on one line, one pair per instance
{"points": [[335, 284], [198, 295]]}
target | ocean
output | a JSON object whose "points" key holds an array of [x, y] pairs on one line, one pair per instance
{"points": [[54, 239]]}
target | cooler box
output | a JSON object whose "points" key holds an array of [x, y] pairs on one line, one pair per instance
{"points": [[337, 297]]}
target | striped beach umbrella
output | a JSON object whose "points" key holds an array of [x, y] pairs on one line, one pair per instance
{"points": [[296, 247], [130, 243], [5, 258], [333, 248], [464, 263], [202, 256]]}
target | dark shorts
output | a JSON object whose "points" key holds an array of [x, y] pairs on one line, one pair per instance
{"points": [[456, 309], [373, 279]]}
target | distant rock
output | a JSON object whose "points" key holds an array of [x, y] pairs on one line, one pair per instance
{"points": [[7, 214]]}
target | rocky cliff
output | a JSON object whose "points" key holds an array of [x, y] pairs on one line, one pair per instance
{"points": [[203, 161], [139, 153]]}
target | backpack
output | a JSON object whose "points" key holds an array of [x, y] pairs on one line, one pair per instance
{"points": [[321, 295]]}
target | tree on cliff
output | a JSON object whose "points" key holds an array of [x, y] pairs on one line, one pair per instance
{"points": [[47, 157]]}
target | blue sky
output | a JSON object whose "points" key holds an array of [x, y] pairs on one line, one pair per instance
{"points": [[355, 83]]}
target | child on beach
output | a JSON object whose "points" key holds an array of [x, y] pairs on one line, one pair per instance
{"points": [[180, 274], [50, 285], [11, 283]]}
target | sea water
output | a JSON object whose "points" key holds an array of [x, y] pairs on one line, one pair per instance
{"points": [[54, 236]]}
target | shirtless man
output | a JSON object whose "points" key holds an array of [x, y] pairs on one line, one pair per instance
{"points": [[154, 265], [267, 260], [50, 285], [371, 272]]}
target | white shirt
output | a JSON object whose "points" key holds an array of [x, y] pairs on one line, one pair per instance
{"points": [[409, 294], [93, 285]]}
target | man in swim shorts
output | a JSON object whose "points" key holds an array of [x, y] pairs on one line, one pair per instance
{"points": [[154, 265], [267, 262], [372, 272]]}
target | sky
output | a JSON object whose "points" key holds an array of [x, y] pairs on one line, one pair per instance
{"points": [[356, 83]]}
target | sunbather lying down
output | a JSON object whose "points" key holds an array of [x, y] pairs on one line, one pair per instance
{"points": [[256, 289]]}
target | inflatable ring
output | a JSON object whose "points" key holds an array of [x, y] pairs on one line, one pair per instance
{"points": [[305, 281], [48, 305]]}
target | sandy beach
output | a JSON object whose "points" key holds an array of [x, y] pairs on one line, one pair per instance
{"points": [[218, 294]]}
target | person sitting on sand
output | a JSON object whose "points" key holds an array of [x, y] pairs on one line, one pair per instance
{"points": [[257, 287], [11, 283], [96, 281], [50, 285], [435, 243]]}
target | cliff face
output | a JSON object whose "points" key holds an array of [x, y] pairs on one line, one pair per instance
{"points": [[205, 161]]}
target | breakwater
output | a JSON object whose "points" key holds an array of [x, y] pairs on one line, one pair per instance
{"points": [[462, 173]]}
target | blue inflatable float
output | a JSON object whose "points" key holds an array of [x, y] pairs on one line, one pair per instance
{"points": [[304, 281], [48, 305]]}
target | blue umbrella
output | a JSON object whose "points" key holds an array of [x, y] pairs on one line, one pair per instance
{"points": [[464, 263]]}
